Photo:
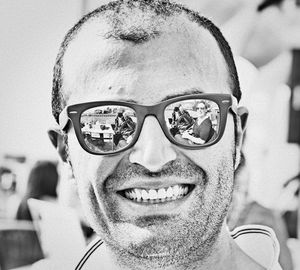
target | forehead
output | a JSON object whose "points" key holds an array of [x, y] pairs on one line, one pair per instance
{"points": [[184, 56]]}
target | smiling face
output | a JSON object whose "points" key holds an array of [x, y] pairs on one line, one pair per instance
{"points": [[119, 192], [201, 110]]}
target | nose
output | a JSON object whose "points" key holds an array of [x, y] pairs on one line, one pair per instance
{"points": [[152, 150]]}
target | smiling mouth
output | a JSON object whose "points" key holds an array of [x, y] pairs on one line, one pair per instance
{"points": [[171, 193]]}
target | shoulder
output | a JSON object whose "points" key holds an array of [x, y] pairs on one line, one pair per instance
{"points": [[260, 243], [207, 120], [206, 123]]}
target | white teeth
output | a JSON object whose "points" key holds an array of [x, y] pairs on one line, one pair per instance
{"points": [[133, 195], [145, 195], [176, 190], [130, 195], [170, 192], [152, 194], [157, 195], [138, 194], [161, 193]]}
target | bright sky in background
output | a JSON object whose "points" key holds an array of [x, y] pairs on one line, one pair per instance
{"points": [[31, 32]]}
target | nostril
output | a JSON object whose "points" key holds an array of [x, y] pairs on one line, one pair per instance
{"points": [[153, 174]]}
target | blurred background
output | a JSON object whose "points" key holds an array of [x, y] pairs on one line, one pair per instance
{"points": [[265, 39]]}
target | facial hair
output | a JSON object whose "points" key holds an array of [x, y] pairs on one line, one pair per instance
{"points": [[178, 240]]}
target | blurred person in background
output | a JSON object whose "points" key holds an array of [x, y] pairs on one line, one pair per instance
{"points": [[266, 147], [265, 35], [245, 210], [9, 199], [42, 185]]}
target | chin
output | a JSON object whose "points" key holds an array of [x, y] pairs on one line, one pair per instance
{"points": [[169, 243]]}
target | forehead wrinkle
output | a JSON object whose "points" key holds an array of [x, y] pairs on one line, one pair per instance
{"points": [[106, 60], [97, 29], [121, 53]]}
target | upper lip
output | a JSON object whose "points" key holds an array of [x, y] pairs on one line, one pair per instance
{"points": [[146, 183]]}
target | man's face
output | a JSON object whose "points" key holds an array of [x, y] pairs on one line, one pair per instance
{"points": [[103, 69], [181, 109]]}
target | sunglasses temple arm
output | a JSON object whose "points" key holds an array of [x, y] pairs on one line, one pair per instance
{"points": [[234, 104], [63, 119]]}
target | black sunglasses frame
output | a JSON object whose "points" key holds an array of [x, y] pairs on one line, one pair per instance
{"points": [[225, 102]]}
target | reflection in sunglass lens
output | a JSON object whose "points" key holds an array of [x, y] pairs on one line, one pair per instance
{"points": [[193, 122], [108, 128]]}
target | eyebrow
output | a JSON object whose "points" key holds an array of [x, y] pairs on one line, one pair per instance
{"points": [[186, 92], [128, 100]]}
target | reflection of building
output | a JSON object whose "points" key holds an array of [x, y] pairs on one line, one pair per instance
{"points": [[104, 115], [98, 126], [101, 118]]}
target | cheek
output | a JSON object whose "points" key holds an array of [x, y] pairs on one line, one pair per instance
{"points": [[90, 172], [217, 161], [86, 170], [212, 158], [88, 167], [84, 164]]}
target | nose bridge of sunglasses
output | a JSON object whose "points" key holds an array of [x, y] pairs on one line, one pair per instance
{"points": [[151, 128], [151, 118], [152, 138]]}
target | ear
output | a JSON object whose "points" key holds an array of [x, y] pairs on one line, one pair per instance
{"points": [[241, 123], [58, 141]]}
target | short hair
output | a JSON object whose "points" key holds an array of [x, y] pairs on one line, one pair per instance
{"points": [[206, 106], [120, 10]]}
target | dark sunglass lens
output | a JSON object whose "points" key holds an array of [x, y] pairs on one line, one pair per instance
{"points": [[193, 122], [109, 128]]}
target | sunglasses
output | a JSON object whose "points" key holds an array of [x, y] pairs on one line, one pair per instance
{"points": [[110, 127]]}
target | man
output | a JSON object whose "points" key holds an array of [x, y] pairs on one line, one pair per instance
{"points": [[156, 203], [185, 121], [124, 127], [181, 120]]}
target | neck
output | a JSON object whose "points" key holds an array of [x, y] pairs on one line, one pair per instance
{"points": [[224, 255], [200, 118]]}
